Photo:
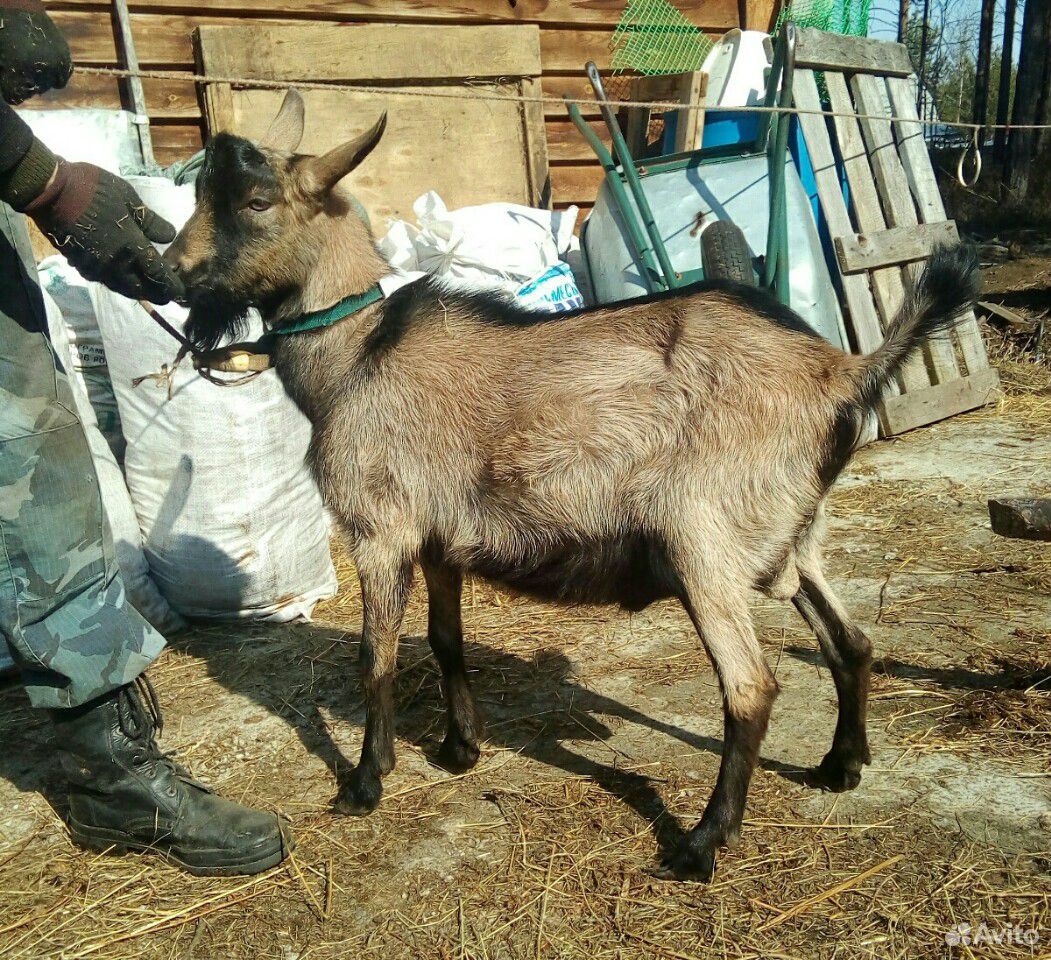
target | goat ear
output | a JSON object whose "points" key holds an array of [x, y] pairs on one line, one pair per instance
{"points": [[287, 129], [322, 173]]}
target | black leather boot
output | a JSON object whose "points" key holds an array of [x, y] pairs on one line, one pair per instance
{"points": [[125, 794]]}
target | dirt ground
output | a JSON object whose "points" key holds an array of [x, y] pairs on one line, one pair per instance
{"points": [[603, 740]]}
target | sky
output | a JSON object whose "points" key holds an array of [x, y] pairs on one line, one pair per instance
{"points": [[958, 18]]}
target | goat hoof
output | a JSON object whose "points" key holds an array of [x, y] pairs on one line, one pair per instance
{"points": [[688, 863], [359, 795], [833, 775], [457, 755]]}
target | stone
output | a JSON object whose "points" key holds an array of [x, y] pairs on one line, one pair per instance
{"points": [[1021, 519]]}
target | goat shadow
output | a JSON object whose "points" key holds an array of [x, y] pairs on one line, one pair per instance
{"points": [[532, 705]]}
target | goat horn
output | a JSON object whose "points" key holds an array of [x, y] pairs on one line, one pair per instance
{"points": [[328, 169]]}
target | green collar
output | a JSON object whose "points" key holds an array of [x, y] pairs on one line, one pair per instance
{"points": [[335, 313]]}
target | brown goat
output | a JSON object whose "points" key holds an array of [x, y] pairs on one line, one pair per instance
{"points": [[675, 446]]}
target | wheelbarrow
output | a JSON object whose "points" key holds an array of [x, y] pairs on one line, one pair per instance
{"points": [[737, 211]]}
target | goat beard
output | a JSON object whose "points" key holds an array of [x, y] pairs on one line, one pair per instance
{"points": [[215, 316]]}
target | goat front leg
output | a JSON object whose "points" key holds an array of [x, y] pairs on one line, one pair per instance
{"points": [[459, 750], [719, 611], [384, 592]]}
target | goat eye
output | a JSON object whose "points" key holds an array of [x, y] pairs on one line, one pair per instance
{"points": [[259, 204]]}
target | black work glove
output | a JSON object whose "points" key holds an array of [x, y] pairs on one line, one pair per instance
{"points": [[34, 56], [98, 221]]}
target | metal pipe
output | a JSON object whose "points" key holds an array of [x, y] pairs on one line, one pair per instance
{"points": [[631, 176], [770, 97], [138, 98], [781, 276], [644, 255], [775, 272]]}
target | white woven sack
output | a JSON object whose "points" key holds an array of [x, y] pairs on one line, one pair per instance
{"points": [[495, 246], [231, 520]]}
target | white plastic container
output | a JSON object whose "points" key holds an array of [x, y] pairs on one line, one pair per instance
{"points": [[736, 68]]}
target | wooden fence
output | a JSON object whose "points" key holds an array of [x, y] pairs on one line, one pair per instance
{"points": [[571, 32]]}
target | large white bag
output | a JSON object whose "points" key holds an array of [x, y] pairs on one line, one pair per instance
{"points": [[232, 523], [119, 514], [494, 246]]}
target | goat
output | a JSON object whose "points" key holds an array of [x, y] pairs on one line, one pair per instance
{"points": [[681, 445]]}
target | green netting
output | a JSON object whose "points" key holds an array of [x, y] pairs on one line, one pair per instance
{"points": [[653, 37], [850, 17]]}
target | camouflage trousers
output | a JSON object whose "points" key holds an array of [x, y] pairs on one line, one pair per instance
{"points": [[63, 611]]}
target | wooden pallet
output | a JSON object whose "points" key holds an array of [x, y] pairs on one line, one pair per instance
{"points": [[894, 219]]}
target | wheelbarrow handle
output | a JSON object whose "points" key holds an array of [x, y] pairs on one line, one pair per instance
{"points": [[643, 252], [620, 145], [631, 176], [595, 78]]}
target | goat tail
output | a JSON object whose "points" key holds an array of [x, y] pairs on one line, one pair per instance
{"points": [[948, 286]]}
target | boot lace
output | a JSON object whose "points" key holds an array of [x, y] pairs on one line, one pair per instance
{"points": [[140, 715], [139, 710]]}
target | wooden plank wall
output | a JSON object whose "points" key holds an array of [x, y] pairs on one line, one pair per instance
{"points": [[572, 32]]}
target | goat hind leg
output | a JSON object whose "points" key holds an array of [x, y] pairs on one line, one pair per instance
{"points": [[384, 593], [459, 749], [849, 655], [721, 617]]}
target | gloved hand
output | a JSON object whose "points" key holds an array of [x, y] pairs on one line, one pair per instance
{"points": [[34, 56], [98, 221]]}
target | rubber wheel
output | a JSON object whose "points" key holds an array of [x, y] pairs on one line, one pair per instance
{"points": [[725, 254]]}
